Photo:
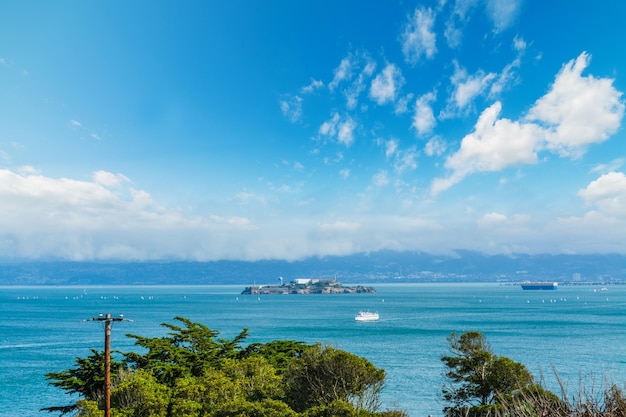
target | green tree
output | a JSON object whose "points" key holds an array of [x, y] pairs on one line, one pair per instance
{"points": [[477, 380], [85, 379], [279, 353], [187, 350], [323, 375], [255, 377], [138, 394], [191, 372]]}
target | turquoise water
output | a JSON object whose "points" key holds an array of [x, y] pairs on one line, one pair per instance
{"points": [[578, 331]]}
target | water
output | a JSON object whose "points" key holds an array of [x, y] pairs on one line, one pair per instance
{"points": [[578, 331]]}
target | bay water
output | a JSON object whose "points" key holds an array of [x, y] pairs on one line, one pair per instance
{"points": [[578, 332]]}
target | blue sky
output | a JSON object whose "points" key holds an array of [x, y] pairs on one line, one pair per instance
{"points": [[287, 129]]}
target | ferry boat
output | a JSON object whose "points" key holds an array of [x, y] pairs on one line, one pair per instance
{"points": [[366, 316], [528, 285]]}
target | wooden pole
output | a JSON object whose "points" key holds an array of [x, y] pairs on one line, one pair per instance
{"points": [[107, 366], [107, 360]]}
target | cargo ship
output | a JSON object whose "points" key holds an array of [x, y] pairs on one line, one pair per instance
{"points": [[528, 285]]}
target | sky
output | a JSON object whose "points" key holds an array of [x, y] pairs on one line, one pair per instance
{"points": [[249, 130]]}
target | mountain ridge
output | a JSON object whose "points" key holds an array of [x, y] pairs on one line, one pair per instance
{"points": [[380, 267]]}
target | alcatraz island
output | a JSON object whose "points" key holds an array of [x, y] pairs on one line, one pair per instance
{"points": [[308, 286]]}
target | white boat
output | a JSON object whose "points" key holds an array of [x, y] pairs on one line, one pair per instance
{"points": [[366, 316]]}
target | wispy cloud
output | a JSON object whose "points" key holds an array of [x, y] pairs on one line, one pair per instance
{"points": [[465, 88], [457, 20], [613, 165], [340, 128], [418, 37], [380, 179], [502, 13], [342, 72], [424, 120], [314, 85], [77, 126], [385, 86], [435, 146], [291, 107]]}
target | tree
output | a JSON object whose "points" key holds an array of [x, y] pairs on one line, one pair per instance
{"points": [[278, 353], [138, 394], [191, 372], [323, 375], [478, 380], [86, 379], [185, 351]]}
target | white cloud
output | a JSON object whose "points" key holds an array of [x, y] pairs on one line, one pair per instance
{"points": [[505, 79], [109, 179], [502, 13], [141, 200], [43, 217], [359, 84], [380, 178], [402, 105], [491, 219], [386, 85], [391, 146], [340, 226], [465, 89], [458, 18], [603, 227], [346, 132], [578, 111], [418, 38], [435, 146], [341, 73], [314, 85], [329, 127], [494, 145], [607, 194], [340, 128], [344, 173], [519, 44], [75, 124], [292, 108], [28, 170], [78, 220], [406, 160], [424, 119], [248, 197], [613, 165]]}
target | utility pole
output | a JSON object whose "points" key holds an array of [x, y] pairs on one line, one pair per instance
{"points": [[107, 358]]}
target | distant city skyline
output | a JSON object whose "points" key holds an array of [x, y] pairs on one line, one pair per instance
{"points": [[284, 130]]}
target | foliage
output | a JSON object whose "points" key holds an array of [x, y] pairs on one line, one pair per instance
{"points": [[278, 353], [323, 375], [85, 379], [191, 372], [185, 351], [478, 380], [534, 400], [138, 394]]}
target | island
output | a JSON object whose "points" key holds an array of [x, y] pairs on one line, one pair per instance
{"points": [[308, 286]]}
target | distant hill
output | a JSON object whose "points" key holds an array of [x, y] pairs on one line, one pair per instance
{"points": [[379, 267]]}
